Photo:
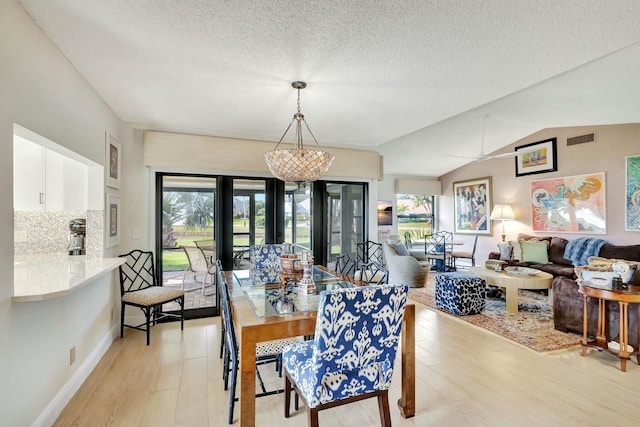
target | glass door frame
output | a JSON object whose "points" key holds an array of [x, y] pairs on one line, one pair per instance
{"points": [[320, 196], [191, 313]]}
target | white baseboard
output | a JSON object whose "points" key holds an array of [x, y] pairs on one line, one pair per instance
{"points": [[55, 407]]}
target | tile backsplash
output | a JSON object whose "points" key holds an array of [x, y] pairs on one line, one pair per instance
{"points": [[44, 232]]}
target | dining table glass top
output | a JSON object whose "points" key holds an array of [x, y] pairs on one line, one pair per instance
{"points": [[259, 277], [275, 300], [272, 293]]}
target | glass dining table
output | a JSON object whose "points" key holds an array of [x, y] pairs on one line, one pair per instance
{"points": [[264, 309]]}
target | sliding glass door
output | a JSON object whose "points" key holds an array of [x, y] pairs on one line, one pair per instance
{"points": [[205, 218], [249, 218], [298, 214], [188, 247], [345, 222]]}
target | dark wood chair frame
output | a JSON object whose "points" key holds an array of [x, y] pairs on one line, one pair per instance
{"points": [[312, 413]]}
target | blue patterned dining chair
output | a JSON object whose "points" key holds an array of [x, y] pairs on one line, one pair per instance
{"points": [[352, 354], [266, 256], [266, 351]]}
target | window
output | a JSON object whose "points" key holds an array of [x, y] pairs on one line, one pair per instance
{"points": [[416, 215]]}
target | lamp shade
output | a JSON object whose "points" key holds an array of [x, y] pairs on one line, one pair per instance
{"points": [[503, 212]]}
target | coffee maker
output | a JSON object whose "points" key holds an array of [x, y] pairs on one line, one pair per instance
{"points": [[78, 232]]}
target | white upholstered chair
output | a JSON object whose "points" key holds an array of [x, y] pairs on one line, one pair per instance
{"points": [[403, 268]]}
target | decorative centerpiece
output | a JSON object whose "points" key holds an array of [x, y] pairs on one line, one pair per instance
{"points": [[306, 284], [495, 264], [290, 263]]}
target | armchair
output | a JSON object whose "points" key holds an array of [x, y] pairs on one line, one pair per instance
{"points": [[404, 269]]}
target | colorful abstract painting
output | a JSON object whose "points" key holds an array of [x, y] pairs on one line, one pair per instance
{"points": [[572, 204], [472, 206], [632, 211]]}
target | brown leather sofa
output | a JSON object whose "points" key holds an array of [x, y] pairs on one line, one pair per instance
{"points": [[568, 302]]}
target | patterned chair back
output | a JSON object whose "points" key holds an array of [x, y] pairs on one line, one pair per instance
{"points": [[367, 252], [356, 340], [345, 265], [266, 256], [138, 271]]}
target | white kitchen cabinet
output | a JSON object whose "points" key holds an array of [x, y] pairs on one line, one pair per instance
{"points": [[44, 179]]}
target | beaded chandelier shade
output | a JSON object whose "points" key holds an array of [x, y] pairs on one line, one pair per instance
{"points": [[298, 164]]}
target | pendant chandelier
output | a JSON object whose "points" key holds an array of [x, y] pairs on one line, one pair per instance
{"points": [[298, 164]]}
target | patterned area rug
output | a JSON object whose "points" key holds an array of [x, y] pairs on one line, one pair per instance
{"points": [[531, 327]]}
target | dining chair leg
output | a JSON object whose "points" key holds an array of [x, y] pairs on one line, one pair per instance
{"points": [[262, 387], [147, 313], [181, 313], [312, 417], [122, 306], [383, 407], [287, 397], [222, 333], [225, 367], [232, 392]]}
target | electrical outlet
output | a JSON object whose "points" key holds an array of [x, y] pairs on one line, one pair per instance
{"points": [[135, 234], [72, 355]]}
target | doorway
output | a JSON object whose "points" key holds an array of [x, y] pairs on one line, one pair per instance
{"points": [[345, 221], [187, 246]]}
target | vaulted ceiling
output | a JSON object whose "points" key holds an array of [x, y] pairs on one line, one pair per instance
{"points": [[408, 78]]}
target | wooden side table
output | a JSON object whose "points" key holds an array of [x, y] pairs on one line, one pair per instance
{"points": [[624, 297]]}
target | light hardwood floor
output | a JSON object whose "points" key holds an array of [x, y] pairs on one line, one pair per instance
{"points": [[465, 376]]}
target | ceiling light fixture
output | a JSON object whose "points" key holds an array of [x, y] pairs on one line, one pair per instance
{"points": [[298, 164]]}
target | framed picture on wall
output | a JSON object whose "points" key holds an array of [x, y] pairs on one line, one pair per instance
{"points": [[112, 217], [537, 157], [632, 205], [113, 161], [570, 204], [385, 212], [472, 206]]}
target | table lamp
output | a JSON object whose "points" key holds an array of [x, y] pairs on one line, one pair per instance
{"points": [[504, 213]]}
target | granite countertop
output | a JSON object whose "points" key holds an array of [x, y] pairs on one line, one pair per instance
{"points": [[41, 277]]}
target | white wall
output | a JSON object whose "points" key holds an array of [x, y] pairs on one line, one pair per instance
{"points": [[607, 154], [41, 90]]}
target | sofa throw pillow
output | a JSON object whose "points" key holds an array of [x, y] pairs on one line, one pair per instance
{"points": [[506, 251], [400, 249], [535, 251], [516, 253]]}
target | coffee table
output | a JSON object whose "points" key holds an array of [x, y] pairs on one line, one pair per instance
{"points": [[512, 282]]}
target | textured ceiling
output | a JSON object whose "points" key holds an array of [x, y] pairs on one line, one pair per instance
{"points": [[408, 78]]}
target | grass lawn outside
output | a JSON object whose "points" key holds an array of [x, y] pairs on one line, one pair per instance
{"points": [[174, 259]]}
